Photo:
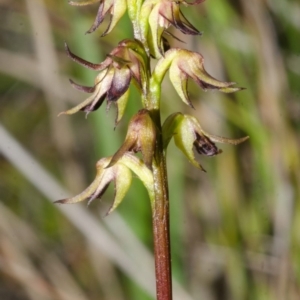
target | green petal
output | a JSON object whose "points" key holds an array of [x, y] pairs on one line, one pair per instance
{"points": [[137, 166], [118, 10], [154, 38], [123, 179], [92, 188], [119, 173], [138, 48], [103, 83], [121, 106], [143, 21], [179, 80], [219, 139], [128, 144], [89, 100], [169, 127], [184, 138], [231, 89], [198, 71], [83, 3]]}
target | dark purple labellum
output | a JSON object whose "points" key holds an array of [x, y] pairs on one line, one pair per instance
{"points": [[95, 105], [205, 146]]}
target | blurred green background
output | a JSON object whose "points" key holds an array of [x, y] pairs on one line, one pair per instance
{"points": [[235, 229]]}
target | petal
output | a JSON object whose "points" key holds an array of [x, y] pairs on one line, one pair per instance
{"points": [[175, 16], [219, 139], [117, 12], [169, 127], [188, 133], [144, 21], [128, 145], [104, 8], [174, 36], [122, 179], [137, 67], [192, 3], [94, 186], [185, 26], [121, 105], [87, 102], [204, 137], [82, 88], [137, 166], [136, 74], [184, 138], [106, 179], [157, 26], [139, 63], [87, 64], [96, 99], [119, 60], [120, 174], [193, 66], [179, 126], [105, 84], [83, 3], [137, 47], [166, 11], [179, 80], [228, 90]]}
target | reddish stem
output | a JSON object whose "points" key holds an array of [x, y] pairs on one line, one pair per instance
{"points": [[161, 227]]}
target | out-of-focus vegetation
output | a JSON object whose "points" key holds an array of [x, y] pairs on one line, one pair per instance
{"points": [[235, 229]]}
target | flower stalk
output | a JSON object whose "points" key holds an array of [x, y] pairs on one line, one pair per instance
{"points": [[129, 63], [161, 216]]}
